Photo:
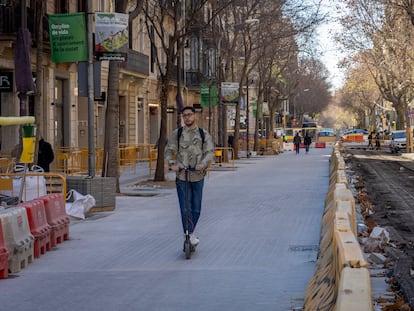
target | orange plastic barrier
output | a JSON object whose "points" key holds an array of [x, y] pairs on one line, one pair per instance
{"points": [[17, 236], [4, 256], [56, 217], [39, 227], [320, 145]]}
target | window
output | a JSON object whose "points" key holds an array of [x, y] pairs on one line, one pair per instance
{"points": [[194, 53], [82, 6], [61, 6]]}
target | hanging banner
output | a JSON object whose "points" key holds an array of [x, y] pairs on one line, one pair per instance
{"points": [[68, 39], [111, 33], [208, 94], [230, 93]]}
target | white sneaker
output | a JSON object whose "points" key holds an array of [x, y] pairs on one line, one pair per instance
{"points": [[194, 240]]}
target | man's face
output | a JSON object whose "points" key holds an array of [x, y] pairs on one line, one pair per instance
{"points": [[189, 117]]}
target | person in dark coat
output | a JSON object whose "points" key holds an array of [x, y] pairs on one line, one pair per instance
{"points": [[297, 141], [45, 155], [307, 140]]}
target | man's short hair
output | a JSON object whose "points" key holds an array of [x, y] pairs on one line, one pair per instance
{"points": [[188, 108]]}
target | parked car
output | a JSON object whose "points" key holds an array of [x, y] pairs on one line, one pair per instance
{"points": [[356, 131], [398, 141]]}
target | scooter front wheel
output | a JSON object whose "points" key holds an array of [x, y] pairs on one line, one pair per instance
{"points": [[187, 249]]}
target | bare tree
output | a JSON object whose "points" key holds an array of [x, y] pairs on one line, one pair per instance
{"points": [[360, 94], [168, 25], [111, 143], [379, 33], [312, 93]]}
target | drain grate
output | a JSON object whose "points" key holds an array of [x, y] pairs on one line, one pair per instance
{"points": [[303, 248]]}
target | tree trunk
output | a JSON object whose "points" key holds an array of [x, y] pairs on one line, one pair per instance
{"points": [[159, 171], [111, 144]]}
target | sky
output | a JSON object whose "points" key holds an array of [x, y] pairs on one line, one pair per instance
{"points": [[330, 53]]}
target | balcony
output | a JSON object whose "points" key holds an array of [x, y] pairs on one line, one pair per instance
{"points": [[193, 78], [136, 62], [10, 21]]}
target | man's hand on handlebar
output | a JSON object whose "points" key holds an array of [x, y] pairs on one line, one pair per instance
{"points": [[174, 168]]}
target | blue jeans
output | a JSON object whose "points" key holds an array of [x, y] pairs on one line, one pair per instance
{"points": [[195, 195]]}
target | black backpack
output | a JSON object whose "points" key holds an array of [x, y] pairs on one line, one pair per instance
{"points": [[180, 132]]}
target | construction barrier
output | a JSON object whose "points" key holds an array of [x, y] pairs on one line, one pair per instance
{"points": [[38, 225], [4, 256], [36, 184], [18, 239], [341, 280], [56, 217], [224, 157]]}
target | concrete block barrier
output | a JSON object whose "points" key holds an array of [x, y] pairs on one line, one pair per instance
{"points": [[4, 256], [339, 176], [56, 217], [19, 241], [341, 281], [349, 253], [354, 291], [322, 287], [39, 227]]}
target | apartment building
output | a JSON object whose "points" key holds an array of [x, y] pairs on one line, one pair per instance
{"points": [[60, 102]]}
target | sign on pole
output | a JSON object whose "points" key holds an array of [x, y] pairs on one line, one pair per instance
{"points": [[230, 93], [68, 37], [111, 34]]}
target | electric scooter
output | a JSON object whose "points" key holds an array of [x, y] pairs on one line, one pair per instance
{"points": [[188, 247]]}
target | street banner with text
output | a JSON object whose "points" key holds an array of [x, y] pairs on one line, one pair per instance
{"points": [[68, 39], [208, 94]]}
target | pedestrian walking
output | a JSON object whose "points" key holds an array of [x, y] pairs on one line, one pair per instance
{"points": [[45, 155], [377, 141], [307, 140], [370, 145], [297, 141], [193, 149]]}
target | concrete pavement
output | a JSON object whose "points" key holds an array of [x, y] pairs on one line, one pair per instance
{"points": [[259, 232]]}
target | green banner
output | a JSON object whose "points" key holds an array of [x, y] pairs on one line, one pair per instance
{"points": [[254, 107], [208, 94], [68, 39]]}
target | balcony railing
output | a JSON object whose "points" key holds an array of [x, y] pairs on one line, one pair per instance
{"points": [[193, 78], [9, 19], [136, 62], [10, 22]]}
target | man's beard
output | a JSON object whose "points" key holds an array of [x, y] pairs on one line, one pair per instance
{"points": [[189, 123]]}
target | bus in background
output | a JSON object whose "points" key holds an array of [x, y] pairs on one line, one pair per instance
{"points": [[309, 127]]}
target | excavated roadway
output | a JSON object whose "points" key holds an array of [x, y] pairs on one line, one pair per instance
{"points": [[389, 182]]}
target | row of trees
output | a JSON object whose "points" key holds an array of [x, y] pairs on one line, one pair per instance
{"points": [[253, 38], [378, 37]]}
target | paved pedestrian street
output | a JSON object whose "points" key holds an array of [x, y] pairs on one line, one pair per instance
{"points": [[259, 232]]}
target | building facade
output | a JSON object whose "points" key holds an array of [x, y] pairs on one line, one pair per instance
{"points": [[59, 102]]}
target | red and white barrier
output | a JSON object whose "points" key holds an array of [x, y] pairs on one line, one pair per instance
{"points": [[18, 239], [56, 217], [39, 227]]}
